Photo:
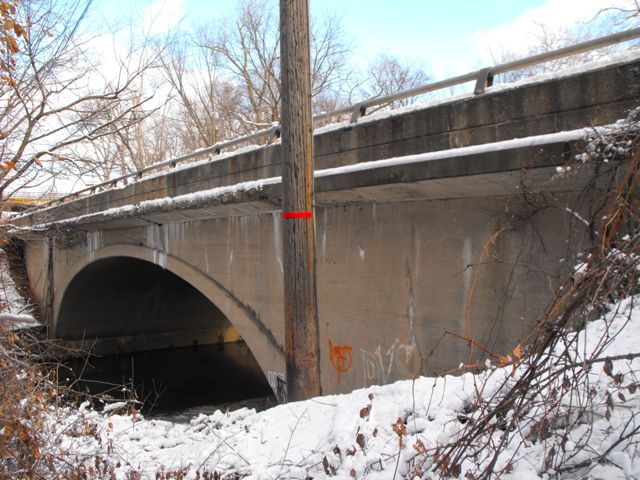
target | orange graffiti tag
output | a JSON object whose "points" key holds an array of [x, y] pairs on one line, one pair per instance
{"points": [[340, 356]]}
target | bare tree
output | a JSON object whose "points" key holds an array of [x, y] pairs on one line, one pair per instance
{"points": [[204, 106], [10, 32], [55, 100], [385, 75], [623, 16], [548, 38], [330, 70], [246, 48], [246, 52], [140, 138]]}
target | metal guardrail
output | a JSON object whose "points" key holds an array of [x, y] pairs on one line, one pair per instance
{"points": [[483, 78], [22, 195], [28, 200]]}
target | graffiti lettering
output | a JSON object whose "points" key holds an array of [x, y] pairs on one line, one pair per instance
{"points": [[381, 368], [279, 385]]}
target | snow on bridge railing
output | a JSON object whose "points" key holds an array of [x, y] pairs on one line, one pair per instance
{"points": [[483, 78]]}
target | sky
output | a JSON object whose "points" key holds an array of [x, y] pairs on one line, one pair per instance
{"points": [[447, 37]]}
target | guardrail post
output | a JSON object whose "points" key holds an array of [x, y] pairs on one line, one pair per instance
{"points": [[484, 80], [274, 134], [358, 112]]}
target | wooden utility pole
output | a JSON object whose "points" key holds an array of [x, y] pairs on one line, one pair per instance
{"points": [[300, 299]]}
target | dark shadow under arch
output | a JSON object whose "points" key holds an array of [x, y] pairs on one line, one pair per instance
{"points": [[159, 334], [122, 296]]}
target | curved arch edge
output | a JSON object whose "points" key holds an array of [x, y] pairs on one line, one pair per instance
{"points": [[259, 338]]}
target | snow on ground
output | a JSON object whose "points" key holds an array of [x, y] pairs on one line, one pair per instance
{"points": [[15, 312], [356, 435], [380, 432]]}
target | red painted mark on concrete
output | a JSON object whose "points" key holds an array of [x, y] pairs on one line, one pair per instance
{"points": [[297, 214], [340, 356]]}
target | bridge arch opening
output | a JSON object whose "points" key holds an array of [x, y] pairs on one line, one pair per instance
{"points": [[157, 334]]}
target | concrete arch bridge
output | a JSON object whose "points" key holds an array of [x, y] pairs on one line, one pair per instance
{"points": [[445, 217]]}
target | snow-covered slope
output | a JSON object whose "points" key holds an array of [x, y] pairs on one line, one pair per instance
{"points": [[381, 432]]}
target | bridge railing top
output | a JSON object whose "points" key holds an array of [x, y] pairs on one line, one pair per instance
{"points": [[483, 79]]}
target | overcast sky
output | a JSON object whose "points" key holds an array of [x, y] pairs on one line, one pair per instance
{"points": [[446, 37]]}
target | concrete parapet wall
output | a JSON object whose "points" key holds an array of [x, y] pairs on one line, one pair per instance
{"points": [[595, 97]]}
